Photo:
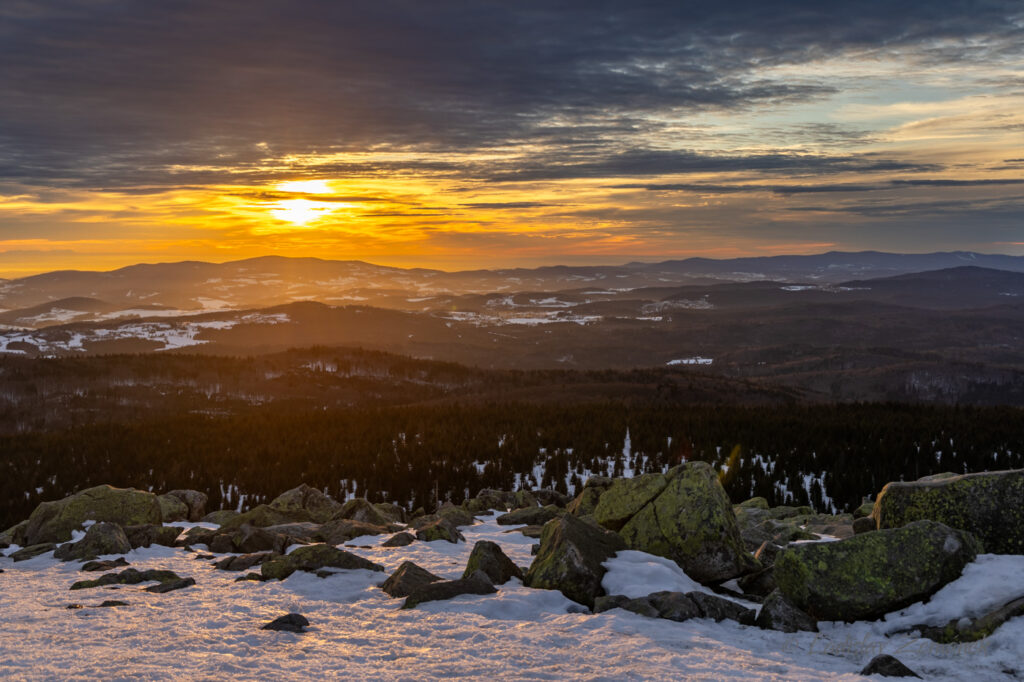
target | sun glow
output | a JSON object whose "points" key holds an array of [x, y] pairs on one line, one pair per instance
{"points": [[298, 211]]}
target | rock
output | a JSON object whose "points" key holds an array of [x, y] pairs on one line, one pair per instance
{"points": [[675, 606], [448, 589], [760, 584], [361, 510], [961, 630], [488, 499], [196, 536], [172, 508], [571, 558], [15, 535], [54, 521], [407, 579], [869, 575], [990, 506], [399, 540], [32, 551], [313, 557], [778, 613], [530, 516], [767, 553], [527, 531], [489, 558], [261, 516], [293, 622], [888, 666], [640, 605], [251, 577], [341, 531], [108, 603], [248, 539], [524, 499], [170, 585], [306, 504], [864, 510], [101, 538], [219, 517], [243, 562], [719, 609], [299, 530], [147, 535], [440, 530], [586, 502], [864, 524], [754, 503], [692, 522], [457, 516], [194, 500], [106, 565], [128, 576], [534, 549], [392, 512]]}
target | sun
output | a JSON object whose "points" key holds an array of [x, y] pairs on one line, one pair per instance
{"points": [[305, 186], [302, 211]]}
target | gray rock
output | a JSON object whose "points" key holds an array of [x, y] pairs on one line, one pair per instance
{"points": [[293, 622], [477, 583], [15, 535], [147, 535], [777, 613], [407, 579], [194, 500], [967, 629], [54, 521], [305, 504], [105, 565], [457, 516], [339, 531], [988, 505], [172, 508], [571, 558], [108, 603], [100, 538], [171, 585], [759, 584], [32, 551], [362, 510], [220, 517], [530, 516], [488, 557], [399, 540], [441, 529], [674, 606], [299, 530], [243, 562], [312, 558], [719, 609], [888, 666], [128, 576], [869, 575]]}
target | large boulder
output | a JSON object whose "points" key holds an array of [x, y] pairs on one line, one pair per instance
{"points": [[488, 557], [571, 557], [15, 535], [261, 516], [219, 517], [407, 579], [625, 497], [586, 502], [990, 506], [305, 504], [778, 613], [449, 589], [530, 516], [101, 538], [54, 521], [678, 606], [869, 575], [312, 558], [148, 534], [342, 530], [172, 508], [457, 516], [441, 529], [362, 510], [690, 521], [194, 500], [489, 498]]}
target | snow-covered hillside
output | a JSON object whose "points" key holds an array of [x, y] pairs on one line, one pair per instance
{"points": [[212, 630]]}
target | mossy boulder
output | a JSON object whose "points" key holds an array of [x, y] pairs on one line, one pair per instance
{"points": [[625, 497], [101, 538], [530, 516], [342, 530], [54, 521], [869, 575], [407, 579], [524, 498], [149, 534], [571, 558], [392, 512], [194, 500], [305, 503], [312, 558], [478, 583], [261, 516], [488, 499], [172, 508], [219, 517], [778, 613], [989, 505], [754, 503], [692, 522], [439, 529], [586, 502], [489, 558], [864, 510], [457, 516], [129, 576], [362, 510], [15, 535]]}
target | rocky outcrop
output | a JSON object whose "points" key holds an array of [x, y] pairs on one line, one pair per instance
{"points": [[407, 579], [689, 520], [449, 589], [778, 613], [988, 505], [488, 557], [530, 516], [869, 575], [312, 558], [571, 558], [54, 521], [101, 538]]}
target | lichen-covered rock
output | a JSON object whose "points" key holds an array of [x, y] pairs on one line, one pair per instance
{"points": [[149, 534], [989, 505], [571, 558], [759, 584], [171, 585], [305, 504], [754, 503], [586, 502], [488, 557], [104, 565], [32, 551], [638, 605], [261, 516], [399, 540], [531, 516], [54, 521], [488, 499], [457, 516], [194, 500], [441, 529], [546, 496], [172, 509], [299, 530], [692, 522], [864, 524], [449, 589], [101, 538], [392, 512], [243, 562], [313, 557], [863, 510], [678, 606], [625, 497], [407, 579], [15, 535], [869, 575], [362, 510], [524, 498], [719, 608], [220, 517], [778, 613], [339, 531]]}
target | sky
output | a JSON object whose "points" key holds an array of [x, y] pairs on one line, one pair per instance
{"points": [[485, 133]]}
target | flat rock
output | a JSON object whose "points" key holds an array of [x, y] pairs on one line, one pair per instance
{"points": [[129, 576], [478, 583], [339, 531], [32, 551], [105, 565], [530, 516], [170, 585], [293, 622], [243, 562], [312, 558]]}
